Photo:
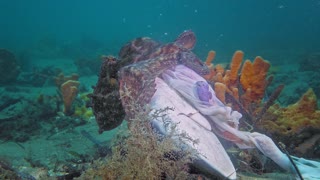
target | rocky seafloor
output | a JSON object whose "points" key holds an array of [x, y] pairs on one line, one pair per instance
{"points": [[38, 140]]}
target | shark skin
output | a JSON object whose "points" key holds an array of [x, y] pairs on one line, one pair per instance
{"points": [[212, 158]]}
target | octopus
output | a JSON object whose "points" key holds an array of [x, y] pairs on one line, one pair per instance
{"points": [[170, 75], [140, 60], [105, 100]]}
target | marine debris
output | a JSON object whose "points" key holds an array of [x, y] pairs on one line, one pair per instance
{"points": [[173, 116], [245, 90], [154, 74], [295, 125]]}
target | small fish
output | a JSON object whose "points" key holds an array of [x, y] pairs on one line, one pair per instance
{"points": [[202, 89]]}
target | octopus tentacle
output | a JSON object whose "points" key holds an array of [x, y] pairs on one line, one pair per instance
{"points": [[137, 84]]}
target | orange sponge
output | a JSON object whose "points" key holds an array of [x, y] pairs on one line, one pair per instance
{"points": [[69, 91], [253, 77], [210, 57], [235, 66]]}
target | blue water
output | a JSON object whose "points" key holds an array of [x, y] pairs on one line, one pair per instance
{"points": [[225, 26]]}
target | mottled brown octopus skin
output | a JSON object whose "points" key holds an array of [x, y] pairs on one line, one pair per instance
{"points": [[106, 105], [140, 62], [142, 49], [137, 81], [138, 50]]}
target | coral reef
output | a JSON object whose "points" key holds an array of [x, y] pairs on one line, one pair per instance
{"points": [[9, 67]]}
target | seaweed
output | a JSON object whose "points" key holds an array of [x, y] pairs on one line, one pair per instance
{"points": [[140, 152]]}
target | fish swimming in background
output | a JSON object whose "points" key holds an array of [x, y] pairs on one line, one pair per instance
{"points": [[202, 89]]}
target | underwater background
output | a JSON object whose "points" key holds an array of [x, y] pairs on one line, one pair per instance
{"points": [[256, 27], [44, 44]]}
